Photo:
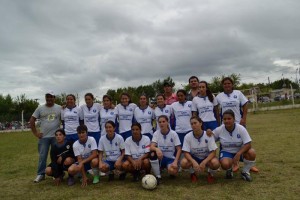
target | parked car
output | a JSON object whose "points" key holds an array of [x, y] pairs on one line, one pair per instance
{"points": [[277, 98], [265, 99]]}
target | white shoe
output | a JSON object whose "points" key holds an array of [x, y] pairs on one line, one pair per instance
{"points": [[102, 174], [39, 178]]}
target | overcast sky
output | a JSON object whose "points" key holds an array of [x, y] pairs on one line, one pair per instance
{"points": [[94, 45]]}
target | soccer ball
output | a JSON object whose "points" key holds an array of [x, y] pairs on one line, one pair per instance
{"points": [[149, 182]]}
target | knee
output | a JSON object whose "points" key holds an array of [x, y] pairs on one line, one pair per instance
{"points": [[104, 168], [184, 163], [214, 163], [146, 163], [226, 164], [48, 171], [118, 165], [72, 170], [173, 170], [250, 154], [68, 161], [94, 162], [126, 166]]}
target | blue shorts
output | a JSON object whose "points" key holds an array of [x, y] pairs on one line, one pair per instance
{"points": [[72, 137], [149, 135], [126, 134], [87, 166], [95, 135], [181, 137], [210, 125], [111, 164], [225, 154], [165, 162], [198, 160]]}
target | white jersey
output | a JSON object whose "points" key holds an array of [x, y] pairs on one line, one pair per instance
{"points": [[137, 149], [233, 141], [166, 143], [107, 115], [125, 114], [91, 117], [182, 113], [145, 118], [112, 148], [199, 147], [85, 150], [71, 119], [233, 101], [205, 108], [167, 111]]}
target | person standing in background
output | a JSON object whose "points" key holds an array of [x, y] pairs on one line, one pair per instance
{"points": [[49, 115]]}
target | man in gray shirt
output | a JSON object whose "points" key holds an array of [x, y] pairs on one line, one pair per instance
{"points": [[49, 116]]}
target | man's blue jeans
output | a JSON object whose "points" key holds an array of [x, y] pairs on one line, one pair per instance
{"points": [[43, 149]]}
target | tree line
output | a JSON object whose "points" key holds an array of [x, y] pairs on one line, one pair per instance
{"points": [[11, 108]]}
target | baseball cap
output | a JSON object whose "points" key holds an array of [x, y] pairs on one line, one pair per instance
{"points": [[50, 92]]}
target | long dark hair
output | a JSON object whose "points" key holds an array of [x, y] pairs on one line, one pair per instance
{"points": [[208, 92]]}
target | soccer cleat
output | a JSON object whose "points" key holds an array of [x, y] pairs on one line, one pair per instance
{"points": [[71, 181], [229, 174], [159, 180], [102, 174], [246, 176], [194, 178], [254, 169], [39, 178], [96, 179], [136, 176], [111, 177], [210, 178], [122, 176]]}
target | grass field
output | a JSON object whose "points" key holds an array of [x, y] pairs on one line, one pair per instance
{"points": [[275, 136]]}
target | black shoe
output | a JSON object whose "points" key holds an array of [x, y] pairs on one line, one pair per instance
{"points": [[172, 177], [229, 174], [122, 176], [111, 177], [246, 176], [136, 176], [159, 180]]}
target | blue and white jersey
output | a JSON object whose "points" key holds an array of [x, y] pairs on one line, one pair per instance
{"points": [[137, 149], [145, 118], [111, 148], [125, 115], [167, 111], [182, 113], [199, 147], [85, 150], [71, 119], [166, 143], [233, 101], [91, 117], [233, 141], [205, 108], [107, 115]]}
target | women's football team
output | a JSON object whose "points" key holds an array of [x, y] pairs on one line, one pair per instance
{"points": [[137, 139]]}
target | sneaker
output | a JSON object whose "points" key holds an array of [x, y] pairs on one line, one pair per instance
{"points": [[122, 176], [136, 176], [229, 174], [158, 180], [254, 169], [194, 178], [102, 174], [210, 178], [71, 181], [246, 176], [39, 178], [111, 177], [96, 179]]}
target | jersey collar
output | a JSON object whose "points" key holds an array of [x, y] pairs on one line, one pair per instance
{"points": [[199, 139], [109, 138], [230, 132]]}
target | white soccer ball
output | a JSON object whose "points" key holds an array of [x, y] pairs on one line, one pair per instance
{"points": [[149, 182]]}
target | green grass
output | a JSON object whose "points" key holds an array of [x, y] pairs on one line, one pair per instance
{"points": [[275, 137]]}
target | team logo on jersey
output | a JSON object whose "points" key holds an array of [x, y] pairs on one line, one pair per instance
{"points": [[130, 109], [171, 140], [189, 105], [206, 141], [112, 113], [149, 112], [116, 144], [143, 146], [89, 145], [68, 146], [94, 110], [75, 112], [238, 136], [166, 111], [235, 96]]}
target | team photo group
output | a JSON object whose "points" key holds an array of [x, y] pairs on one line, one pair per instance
{"points": [[177, 133]]}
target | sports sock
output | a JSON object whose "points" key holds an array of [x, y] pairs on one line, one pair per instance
{"points": [[211, 171], [191, 170], [248, 164], [95, 171], [155, 167]]}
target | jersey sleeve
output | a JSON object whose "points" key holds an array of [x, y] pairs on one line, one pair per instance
{"points": [[212, 146], [122, 143], [186, 145], [93, 144], [101, 145], [76, 150], [127, 147], [194, 105], [215, 101], [242, 98], [217, 132], [62, 116], [155, 137], [36, 113], [147, 145], [176, 140], [244, 135]]}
